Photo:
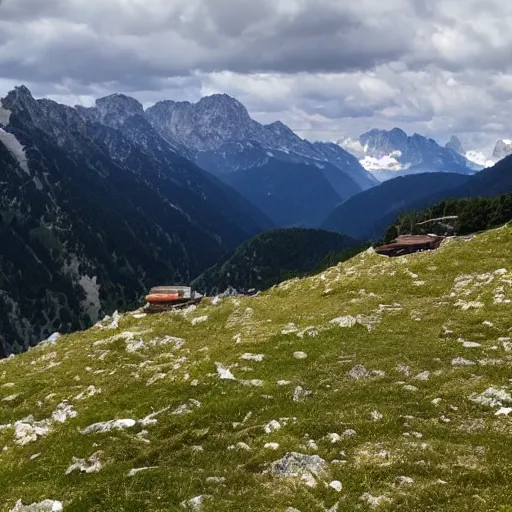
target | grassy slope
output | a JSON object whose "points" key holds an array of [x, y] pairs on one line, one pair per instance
{"points": [[469, 452]]}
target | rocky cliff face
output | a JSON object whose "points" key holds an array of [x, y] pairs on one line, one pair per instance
{"points": [[95, 208]]}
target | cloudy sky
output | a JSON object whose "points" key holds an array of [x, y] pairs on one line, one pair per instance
{"points": [[327, 68]]}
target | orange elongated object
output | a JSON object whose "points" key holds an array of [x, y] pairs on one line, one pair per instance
{"points": [[158, 298]]}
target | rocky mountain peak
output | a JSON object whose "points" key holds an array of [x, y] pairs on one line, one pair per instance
{"points": [[20, 100], [280, 129], [113, 110], [120, 103], [455, 145], [502, 149]]}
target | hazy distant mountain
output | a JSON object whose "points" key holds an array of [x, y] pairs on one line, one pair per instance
{"points": [[502, 149], [388, 154], [218, 128], [221, 137], [455, 145], [290, 194]]}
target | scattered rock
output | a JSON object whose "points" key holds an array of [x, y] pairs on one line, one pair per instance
{"points": [[156, 378], [215, 480], [42, 506], [253, 357], [404, 480], [271, 446], [466, 305], [504, 411], [108, 426], [491, 397], [187, 408], [460, 361], [349, 433], [374, 501], [468, 344], [344, 321], [336, 485], [51, 340], [199, 320], [376, 416], [333, 437], [257, 383], [223, 372], [298, 465], [402, 368], [300, 355], [300, 394], [240, 446], [272, 426], [196, 503], [28, 430], [134, 471], [11, 398], [423, 376], [359, 372], [92, 465], [64, 412], [409, 387]]}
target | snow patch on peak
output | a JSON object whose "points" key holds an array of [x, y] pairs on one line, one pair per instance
{"points": [[15, 147], [479, 158], [5, 115]]}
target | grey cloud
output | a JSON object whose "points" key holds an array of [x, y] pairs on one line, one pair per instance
{"points": [[324, 64]]}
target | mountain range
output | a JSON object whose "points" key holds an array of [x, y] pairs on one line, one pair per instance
{"points": [[92, 214], [100, 203], [367, 215], [218, 134], [388, 154]]}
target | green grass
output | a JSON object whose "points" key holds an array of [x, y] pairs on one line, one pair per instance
{"points": [[470, 452]]}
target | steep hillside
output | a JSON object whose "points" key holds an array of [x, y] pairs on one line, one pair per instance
{"points": [[290, 194], [378, 384], [489, 182], [473, 215], [270, 258], [368, 214], [90, 218]]}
